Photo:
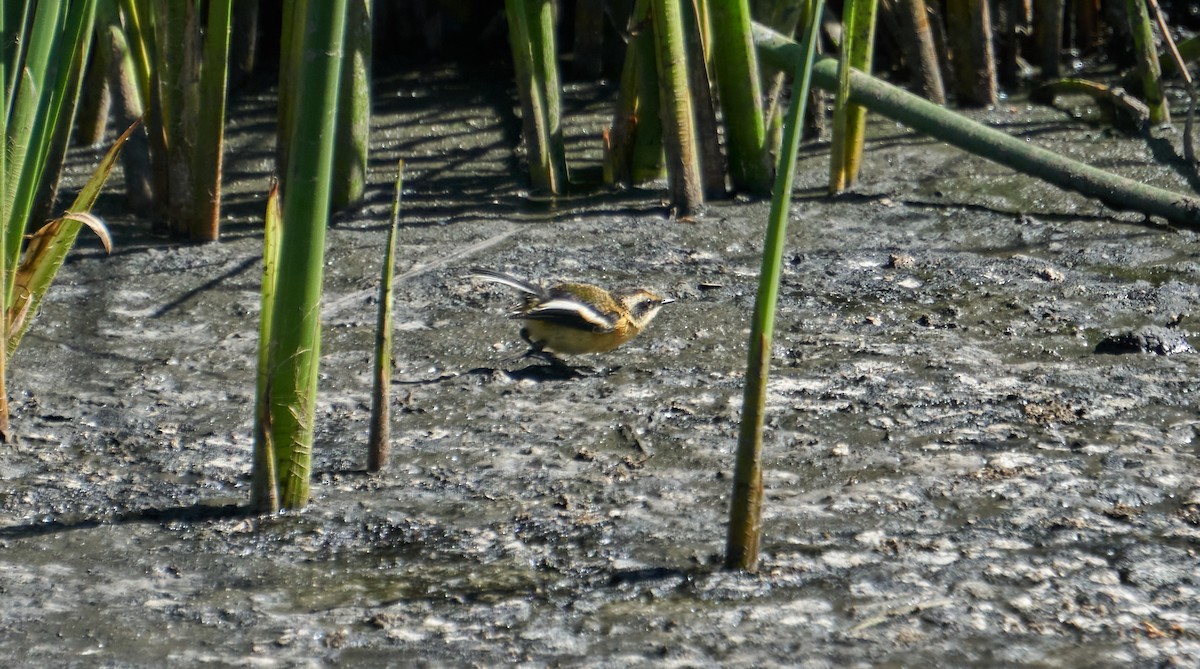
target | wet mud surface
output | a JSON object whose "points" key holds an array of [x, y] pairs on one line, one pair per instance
{"points": [[955, 477]]}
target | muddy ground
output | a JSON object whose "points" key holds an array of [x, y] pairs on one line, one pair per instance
{"points": [[954, 477]]}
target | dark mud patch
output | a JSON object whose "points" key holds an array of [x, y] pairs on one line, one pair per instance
{"points": [[954, 476]]}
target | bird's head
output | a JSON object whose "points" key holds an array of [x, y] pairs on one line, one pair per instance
{"points": [[642, 306]]}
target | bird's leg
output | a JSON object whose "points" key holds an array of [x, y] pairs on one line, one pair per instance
{"points": [[537, 350]]}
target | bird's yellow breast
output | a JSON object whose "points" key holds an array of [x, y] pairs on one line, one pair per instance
{"points": [[573, 341]]}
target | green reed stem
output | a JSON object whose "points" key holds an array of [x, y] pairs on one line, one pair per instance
{"points": [[204, 221], [850, 120], [354, 132], [295, 349], [745, 513], [531, 35], [738, 81]]}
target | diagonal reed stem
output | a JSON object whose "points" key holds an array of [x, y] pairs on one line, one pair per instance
{"points": [[957, 130]]}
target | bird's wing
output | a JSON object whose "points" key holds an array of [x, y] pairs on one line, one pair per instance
{"points": [[508, 280], [571, 313]]}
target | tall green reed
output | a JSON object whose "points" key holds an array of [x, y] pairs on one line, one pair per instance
{"points": [[633, 145], [180, 61], [745, 514], [535, 60], [295, 330], [45, 45], [740, 86]]}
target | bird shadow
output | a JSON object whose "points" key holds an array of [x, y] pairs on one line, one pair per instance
{"points": [[186, 513], [533, 372]]}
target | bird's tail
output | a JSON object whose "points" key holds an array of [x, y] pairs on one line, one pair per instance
{"points": [[508, 280]]}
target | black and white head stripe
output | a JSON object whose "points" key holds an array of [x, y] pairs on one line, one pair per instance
{"points": [[642, 303]]}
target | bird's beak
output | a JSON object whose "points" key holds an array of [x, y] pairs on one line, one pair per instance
{"points": [[666, 300]]}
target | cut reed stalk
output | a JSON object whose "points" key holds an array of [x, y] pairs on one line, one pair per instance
{"points": [[379, 437], [713, 168], [917, 41], [678, 115], [1048, 36], [1147, 59], [264, 486], [92, 120], [970, 36]]}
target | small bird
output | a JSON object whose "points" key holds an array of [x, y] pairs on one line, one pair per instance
{"points": [[575, 318]]}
